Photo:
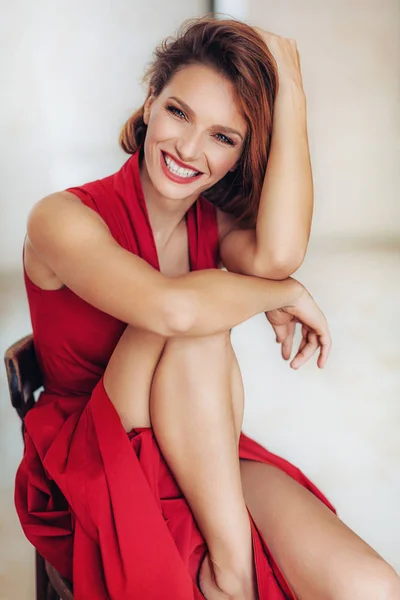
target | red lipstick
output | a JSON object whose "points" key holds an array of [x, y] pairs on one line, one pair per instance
{"points": [[173, 176]]}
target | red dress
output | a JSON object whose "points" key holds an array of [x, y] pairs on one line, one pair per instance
{"points": [[99, 504]]}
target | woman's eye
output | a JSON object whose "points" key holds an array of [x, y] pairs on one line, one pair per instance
{"points": [[181, 115], [225, 139], [176, 111]]}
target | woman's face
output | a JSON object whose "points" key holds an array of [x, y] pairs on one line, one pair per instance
{"points": [[194, 121]]}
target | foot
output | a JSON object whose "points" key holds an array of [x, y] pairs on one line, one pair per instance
{"points": [[212, 591]]}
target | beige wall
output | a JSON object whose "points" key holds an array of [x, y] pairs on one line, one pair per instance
{"points": [[350, 56], [72, 71]]}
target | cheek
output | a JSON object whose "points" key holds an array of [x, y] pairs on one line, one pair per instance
{"points": [[221, 162], [161, 127]]}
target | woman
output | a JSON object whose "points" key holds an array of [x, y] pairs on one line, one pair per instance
{"points": [[136, 480]]}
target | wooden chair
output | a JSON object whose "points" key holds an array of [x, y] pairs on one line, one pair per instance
{"points": [[24, 378]]}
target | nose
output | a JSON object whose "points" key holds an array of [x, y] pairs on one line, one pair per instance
{"points": [[189, 147]]}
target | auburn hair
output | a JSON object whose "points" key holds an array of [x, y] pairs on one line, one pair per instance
{"points": [[237, 52]]}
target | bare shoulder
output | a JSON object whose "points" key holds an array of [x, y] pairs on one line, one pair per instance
{"points": [[57, 216], [59, 205], [64, 218]]}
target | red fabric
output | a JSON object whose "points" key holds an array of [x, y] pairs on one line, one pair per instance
{"points": [[100, 505]]}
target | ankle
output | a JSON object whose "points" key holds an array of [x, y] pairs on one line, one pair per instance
{"points": [[235, 579]]}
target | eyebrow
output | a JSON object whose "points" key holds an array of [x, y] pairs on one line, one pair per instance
{"points": [[186, 107]]}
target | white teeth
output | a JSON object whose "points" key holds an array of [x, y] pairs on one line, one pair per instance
{"points": [[174, 168]]}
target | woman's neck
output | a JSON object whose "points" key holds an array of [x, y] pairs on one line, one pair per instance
{"points": [[164, 213]]}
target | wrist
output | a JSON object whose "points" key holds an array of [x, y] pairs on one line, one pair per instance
{"points": [[295, 290], [283, 293], [290, 88], [290, 110]]}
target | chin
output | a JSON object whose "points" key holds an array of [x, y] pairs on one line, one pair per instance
{"points": [[172, 190]]}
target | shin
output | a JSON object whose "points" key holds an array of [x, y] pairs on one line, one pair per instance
{"points": [[196, 408]]}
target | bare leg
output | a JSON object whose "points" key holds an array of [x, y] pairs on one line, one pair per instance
{"points": [[197, 427], [321, 558], [129, 373], [196, 385]]}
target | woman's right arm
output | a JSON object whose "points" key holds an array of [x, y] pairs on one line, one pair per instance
{"points": [[76, 244]]}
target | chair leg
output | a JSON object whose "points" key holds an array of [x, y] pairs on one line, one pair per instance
{"points": [[51, 593], [42, 579]]}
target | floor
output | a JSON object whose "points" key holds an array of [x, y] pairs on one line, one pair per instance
{"points": [[340, 425]]}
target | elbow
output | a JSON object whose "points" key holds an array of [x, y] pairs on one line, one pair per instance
{"points": [[178, 309], [277, 267]]}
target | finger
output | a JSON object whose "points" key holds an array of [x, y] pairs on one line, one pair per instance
{"points": [[326, 345], [303, 343], [280, 331], [307, 352], [287, 345], [304, 355], [324, 341]]}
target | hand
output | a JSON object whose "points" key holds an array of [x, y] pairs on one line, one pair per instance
{"points": [[315, 331], [284, 326], [286, 55]]}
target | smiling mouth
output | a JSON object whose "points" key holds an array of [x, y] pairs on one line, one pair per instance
{"points": [[175, 169]]}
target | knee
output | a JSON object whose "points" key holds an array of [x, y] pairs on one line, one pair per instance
{"points": [[209, 345], [385, 582], [378, 581]]}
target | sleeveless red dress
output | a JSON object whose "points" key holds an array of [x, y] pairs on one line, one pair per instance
{"points": [[99, 504]]}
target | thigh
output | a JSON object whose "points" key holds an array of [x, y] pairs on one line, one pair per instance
{"points": [[129, 373], [210, 362], [321, 558], [237, 393]]}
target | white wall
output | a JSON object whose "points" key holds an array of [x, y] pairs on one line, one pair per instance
{"points": [[350, 57], [72, 71], [238, 9]]}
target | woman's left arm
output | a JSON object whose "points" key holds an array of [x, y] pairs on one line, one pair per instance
{"points": [[276, 248], [286, 204]]}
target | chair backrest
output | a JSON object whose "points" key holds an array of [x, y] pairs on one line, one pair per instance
{"points": [[24, 378], [23, 373]]}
